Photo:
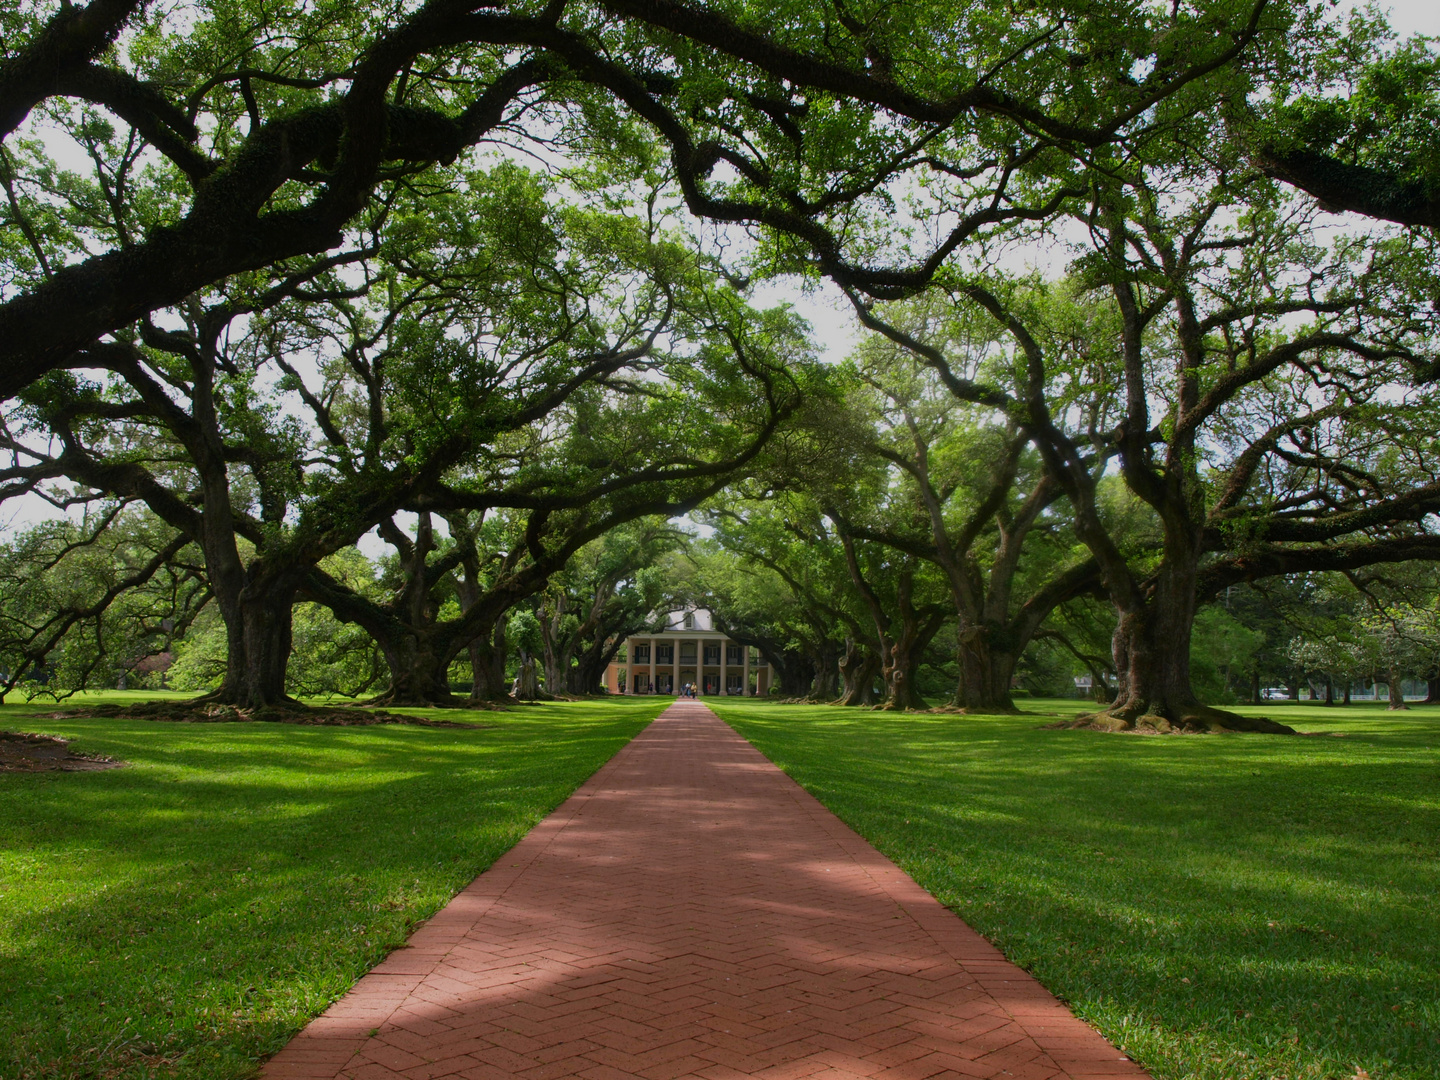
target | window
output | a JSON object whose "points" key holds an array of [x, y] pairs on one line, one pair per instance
{"points": [[712, 654], [689, 620], [642, 654], [732, 683], [687, 652], [732, 655], [712, 684], [642, 682], [665, 654]]}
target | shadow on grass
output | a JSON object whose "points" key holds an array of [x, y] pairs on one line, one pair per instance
{"points": [[191, 917], [1221, 907]]}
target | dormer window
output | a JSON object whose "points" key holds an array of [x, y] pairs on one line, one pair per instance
{"points": [[689, 620]]}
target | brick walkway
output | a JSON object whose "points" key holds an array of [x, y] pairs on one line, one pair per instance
{"points": [[691, 912]]}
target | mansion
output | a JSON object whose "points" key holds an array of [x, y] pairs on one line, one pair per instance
{"points": [[689, 650]]}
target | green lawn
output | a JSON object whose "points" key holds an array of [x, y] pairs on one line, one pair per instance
{"points": [[185, 916], [1222, 907]]}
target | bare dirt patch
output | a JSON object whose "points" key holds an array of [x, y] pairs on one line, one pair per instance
{"points": [[23, 751], [199, 712]]}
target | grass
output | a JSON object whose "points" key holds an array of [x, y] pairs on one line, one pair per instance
{"points": [[185, 916], [1222, 907]]}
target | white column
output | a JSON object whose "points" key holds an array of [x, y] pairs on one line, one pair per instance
{"points": [[745, 678], [675, 659]]}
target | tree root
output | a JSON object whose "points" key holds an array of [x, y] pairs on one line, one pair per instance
{"points": [[446, 701], [1190, 719], [200, 711], [951, 709]]}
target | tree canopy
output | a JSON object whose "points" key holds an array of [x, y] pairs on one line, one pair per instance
{"points": [[480, 281]]}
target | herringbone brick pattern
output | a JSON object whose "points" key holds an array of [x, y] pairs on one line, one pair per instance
{"points": [[691, 912]]}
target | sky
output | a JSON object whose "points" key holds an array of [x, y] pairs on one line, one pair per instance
{"points": [[1410, 16]]}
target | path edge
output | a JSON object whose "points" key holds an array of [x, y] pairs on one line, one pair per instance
{"points": [[326, 1045], [1074, 1045]]}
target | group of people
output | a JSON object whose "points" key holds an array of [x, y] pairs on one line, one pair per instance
{"points": [[688, 690]]}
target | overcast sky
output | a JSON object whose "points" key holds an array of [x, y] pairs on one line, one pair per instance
{"points": [[1410, 16]]}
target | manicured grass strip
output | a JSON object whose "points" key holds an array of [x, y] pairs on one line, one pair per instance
{"points": [[1240, 907], [185, 916]]}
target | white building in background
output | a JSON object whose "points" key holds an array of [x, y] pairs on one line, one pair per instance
{"points": [[689, 650]]}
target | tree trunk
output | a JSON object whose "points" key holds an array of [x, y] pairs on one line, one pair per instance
{"points": [[1152, 663], [419, 672], [487, 667], [825, 680], [527, 682], [858, 668], [588, 674], [986, 671], [898, 669], [793, 670], [1432, 687], [257, 636], [255, 603], [565, 672], [1346, 700], [900, 680], [795, 674], [1329, 690], [555, 654], [1397, 695], [416, 654]]}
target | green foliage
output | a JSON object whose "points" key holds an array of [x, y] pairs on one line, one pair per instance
{"points": [[523, 631], [1048, 670], [1377, 104], [1222, 652], [330, 658], [91, 602], [200, 655]]}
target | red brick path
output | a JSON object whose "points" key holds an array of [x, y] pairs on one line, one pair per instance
{"points": [[691, 912]]}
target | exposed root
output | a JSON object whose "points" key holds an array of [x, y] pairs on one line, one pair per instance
{"points": [[199, 712], [951, 709], [491, 704], [446, 701], [1189, 720]]}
